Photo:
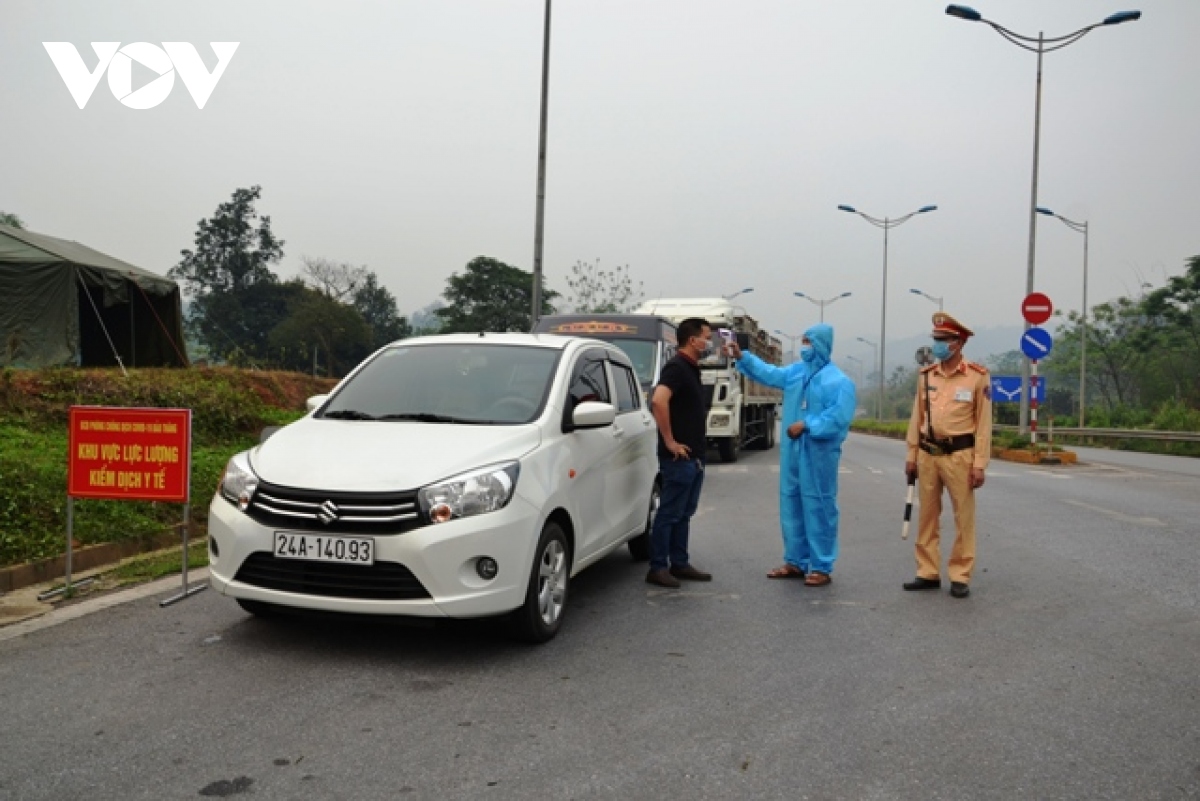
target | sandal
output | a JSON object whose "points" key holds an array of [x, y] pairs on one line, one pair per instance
{"points": [[786, 572], [817, 579]]}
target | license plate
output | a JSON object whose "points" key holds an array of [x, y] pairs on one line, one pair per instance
{"points": [[323, 548]]}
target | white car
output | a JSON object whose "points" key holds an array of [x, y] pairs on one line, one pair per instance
{"points": [[449, 476]]}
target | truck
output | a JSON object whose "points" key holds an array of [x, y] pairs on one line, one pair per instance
{"points": [[648, 340], [742, 413]]}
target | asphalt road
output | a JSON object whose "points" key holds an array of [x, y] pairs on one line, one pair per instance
{"points": [[1071, 672]]}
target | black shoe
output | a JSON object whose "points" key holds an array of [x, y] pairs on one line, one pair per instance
{"points": [[662, 578], [923, 584], [959, 590]]}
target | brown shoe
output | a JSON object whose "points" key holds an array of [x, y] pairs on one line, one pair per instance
{"points": [[689, 573], [662, 578]]}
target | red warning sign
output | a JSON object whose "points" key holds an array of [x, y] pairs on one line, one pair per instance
{"points": [[129, 454]]}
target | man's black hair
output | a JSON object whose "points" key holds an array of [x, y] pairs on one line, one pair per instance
{"points": [[691, 327]]}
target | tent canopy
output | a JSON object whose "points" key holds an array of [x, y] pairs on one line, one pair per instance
{"points": [[63, 303]]}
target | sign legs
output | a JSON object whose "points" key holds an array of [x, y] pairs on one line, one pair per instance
{"points": [[67, 587], [185, 591]]}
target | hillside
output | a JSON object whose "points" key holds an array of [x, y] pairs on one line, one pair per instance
{"points": [[229, 409]]}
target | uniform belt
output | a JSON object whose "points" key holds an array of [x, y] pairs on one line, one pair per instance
{"points": [[947, 445]]}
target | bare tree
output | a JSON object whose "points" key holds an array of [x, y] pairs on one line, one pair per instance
{"points": [[595, 290], [338, 281]]}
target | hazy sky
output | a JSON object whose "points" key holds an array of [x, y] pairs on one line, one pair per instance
{"points": [[705, 144]]}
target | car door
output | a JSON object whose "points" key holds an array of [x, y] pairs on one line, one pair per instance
{"points": [[635, 463], [591, 455]]}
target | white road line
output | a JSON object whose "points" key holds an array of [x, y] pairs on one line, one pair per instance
{"points": [[1153, 522], [876, 471], [844, 470], [730, 469], [1049, 473]]}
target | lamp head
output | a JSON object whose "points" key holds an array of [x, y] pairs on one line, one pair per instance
{"points": [[1122, 16], [916, 292], [844, 295], [924, 209], [964, 12], [850, 209], [1044, 210], [800, 294]]}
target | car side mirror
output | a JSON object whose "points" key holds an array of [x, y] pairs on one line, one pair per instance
{"points": [[316, 402], [593, 414]]}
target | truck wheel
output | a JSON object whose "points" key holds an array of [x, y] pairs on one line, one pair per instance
{"points": [[639, 546], [540, 617], [770, 423], [727, 449]]}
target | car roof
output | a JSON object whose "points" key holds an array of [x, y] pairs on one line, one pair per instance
{"points": [[549, 341]]}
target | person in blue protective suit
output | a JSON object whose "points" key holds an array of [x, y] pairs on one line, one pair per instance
{"points": [[818, 405]]}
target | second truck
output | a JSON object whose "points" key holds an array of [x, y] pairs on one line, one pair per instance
{"points": [[742, 413]]}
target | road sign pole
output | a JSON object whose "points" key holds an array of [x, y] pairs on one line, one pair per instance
{"points": [[1033, 404]]}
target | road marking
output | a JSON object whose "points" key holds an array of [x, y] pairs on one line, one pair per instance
{"points": [[876, 471], [666, 593], [1049, 473], [999, 475], [1124, 518], [845, 470], [728, 468]]}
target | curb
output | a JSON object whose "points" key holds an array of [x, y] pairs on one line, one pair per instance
{"points": [[104, 554], [54, 617]]}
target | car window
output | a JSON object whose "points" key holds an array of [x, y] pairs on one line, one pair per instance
{"points": [[625, 388], [441, 382], [588, 382], [641, 354]]}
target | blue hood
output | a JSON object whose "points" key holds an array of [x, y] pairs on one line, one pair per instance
{"points": [[821, 337]]}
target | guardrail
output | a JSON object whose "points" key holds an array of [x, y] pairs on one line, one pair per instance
{"points": [[1111, 433]]}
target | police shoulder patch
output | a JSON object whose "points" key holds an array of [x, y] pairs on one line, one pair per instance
{"points": [[979, 368]]}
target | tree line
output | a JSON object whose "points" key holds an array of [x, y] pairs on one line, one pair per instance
{"points": [[335, 313]]}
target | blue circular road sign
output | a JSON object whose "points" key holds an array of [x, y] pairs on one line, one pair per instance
{"points": [[1036, 343]]}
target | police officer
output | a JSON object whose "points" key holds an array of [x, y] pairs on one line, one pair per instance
{"points": [[949, 446]]}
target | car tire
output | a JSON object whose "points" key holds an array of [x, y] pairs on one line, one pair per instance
{"points": [[639, 546], [257, 608], [540, 617]]}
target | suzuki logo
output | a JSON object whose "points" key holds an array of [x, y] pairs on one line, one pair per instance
{"points": [[172, 57], [328, 513]]}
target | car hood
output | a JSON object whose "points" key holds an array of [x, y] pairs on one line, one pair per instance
{"points": [[365, 456]]}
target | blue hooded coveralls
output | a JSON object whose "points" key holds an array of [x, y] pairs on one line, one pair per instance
{"points": [[821, 395]]}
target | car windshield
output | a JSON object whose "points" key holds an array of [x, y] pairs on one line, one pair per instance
{"points": [[641, 353], [438, 383]]}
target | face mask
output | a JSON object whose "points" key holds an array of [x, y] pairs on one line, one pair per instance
{"points": [[807, 353], [707, 350], [941, 350]]}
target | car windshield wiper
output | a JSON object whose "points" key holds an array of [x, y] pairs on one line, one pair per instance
{"points": [[349, 414], [427, 417]]}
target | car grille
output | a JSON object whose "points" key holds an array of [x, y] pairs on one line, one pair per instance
{"points": [[343, 512], [382, 581]]}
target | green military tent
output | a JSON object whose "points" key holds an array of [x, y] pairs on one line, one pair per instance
{"points": [[62, 303]]}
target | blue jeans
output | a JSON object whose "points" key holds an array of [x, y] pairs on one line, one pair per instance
{"points": [[681, 482]]}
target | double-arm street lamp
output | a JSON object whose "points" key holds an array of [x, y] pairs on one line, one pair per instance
{"points": [[886, 224], [1038, 45], [928, 297], [739, 292], [822, 303], [879, 397], [1080, 228]]}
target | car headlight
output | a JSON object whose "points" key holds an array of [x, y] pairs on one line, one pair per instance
{"points": [[238, 482], [474, 493]]}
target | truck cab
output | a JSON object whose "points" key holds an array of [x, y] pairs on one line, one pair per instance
{"points": [[647, 339], [742, 413]]}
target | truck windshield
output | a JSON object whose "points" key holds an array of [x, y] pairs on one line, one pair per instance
{"points": [[716, 359], [642, 352]]}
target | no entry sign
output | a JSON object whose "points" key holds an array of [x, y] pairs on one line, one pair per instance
{"points": [[1036, 308], [129, 454]]}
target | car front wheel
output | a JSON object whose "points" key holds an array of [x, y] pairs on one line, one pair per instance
{"points": [[538, 620]]}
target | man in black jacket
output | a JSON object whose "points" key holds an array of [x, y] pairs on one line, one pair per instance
{"points": [[681, 412]]}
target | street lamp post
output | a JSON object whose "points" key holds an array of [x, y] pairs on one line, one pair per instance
{"points": [[879, 397], [929, 297], [822, 303], [540, 212], [1039, 46], [886, 224], [1080, 228], [791, 341], [739, 292], [858, 362]]}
